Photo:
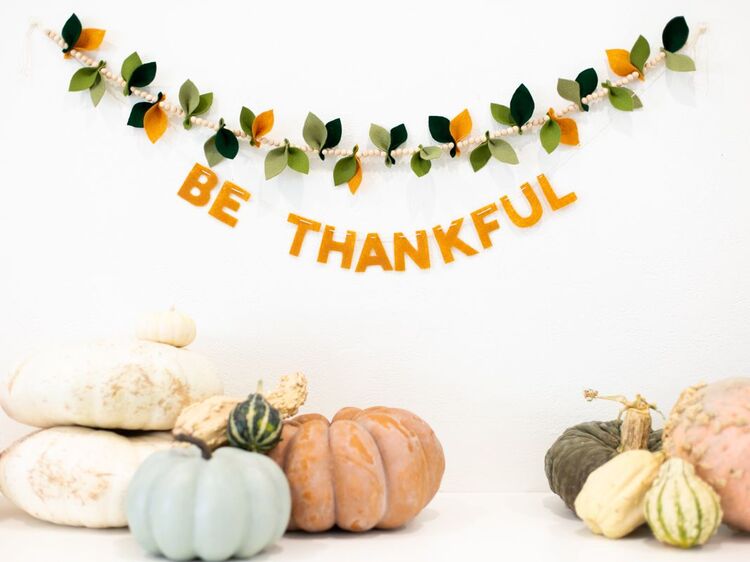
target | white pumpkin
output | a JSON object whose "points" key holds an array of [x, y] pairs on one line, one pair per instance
{"points": [[170, 326], [127, 384], [75, 475]]}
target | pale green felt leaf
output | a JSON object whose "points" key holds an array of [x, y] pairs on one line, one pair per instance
{"points": [[679, 63], [276, 161], [430, 152], [82, 79], [621, 98], [380, 137], [480, 156], [247, 118], [639, 53], [419, 165], [550, 134], [298, 161], [189, 97], [344, 170], [637, 102], [204, 103], [314, 132], [501, 114], [97, 90], [212, 154], [129, 65], [503, 151], [570, 90]]}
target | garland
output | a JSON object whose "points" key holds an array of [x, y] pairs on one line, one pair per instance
{"points": [[322, 139]]}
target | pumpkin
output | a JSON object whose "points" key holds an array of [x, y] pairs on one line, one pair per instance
{"points": [[75, 475], [708, 427], [128, 384], [681, 508], [611, 501], [583, 448], [366, 468], [170, 326], [187, 502], [254, 424]]}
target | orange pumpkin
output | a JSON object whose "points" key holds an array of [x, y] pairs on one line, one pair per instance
{"points": [[367, 468]]}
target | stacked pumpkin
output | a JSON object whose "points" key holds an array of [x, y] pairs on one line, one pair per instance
{"points": [[618, 475]]}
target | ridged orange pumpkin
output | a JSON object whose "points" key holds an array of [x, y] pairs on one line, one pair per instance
{"points": [[369, 468]]}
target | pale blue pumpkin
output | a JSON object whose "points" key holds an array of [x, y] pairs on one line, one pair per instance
{"points": [[188, 503]]}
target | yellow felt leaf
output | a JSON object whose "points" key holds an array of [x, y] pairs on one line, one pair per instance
{"points": [[262, 125], [90, 39], [568, 131], [460, 126], [619, 61], [356, 178], [155, 122]]}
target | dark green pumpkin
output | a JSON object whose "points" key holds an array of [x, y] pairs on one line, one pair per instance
{"points": [[254, 425], [579, 451]]}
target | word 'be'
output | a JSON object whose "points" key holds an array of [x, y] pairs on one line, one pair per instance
{"points": [[197, 188]]}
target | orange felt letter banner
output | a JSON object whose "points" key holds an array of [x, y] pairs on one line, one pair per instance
{"points": [[225, 200], [448, 240], [536, 208], [482, 227], [373, 253], [328, 245], [303, 226], [204, 180], [419, 255], [549, 194]]}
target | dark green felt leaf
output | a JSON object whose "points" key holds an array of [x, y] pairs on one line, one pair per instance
{"points": [[440, 128], [143, 75], [398, 137], [97, 90], [333, 138], [587, 80], [226, 143], [344, 170], [675, 34], [83, 79], [212, 155], [480, 156], [501, 114], [71, 32], [137, 113], [521, 105], [419, 165]]}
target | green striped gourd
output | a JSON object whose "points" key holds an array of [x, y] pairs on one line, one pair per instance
{"points": [[681, 509], [254, 424]]}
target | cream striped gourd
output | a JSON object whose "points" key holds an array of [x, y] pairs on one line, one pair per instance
{"points": [[682, 509], [254, 424]]}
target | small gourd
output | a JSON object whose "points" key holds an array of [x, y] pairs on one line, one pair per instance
{"points": [[171, 327], [231, 503], [254, 424], [681, 508], [611, 500]]}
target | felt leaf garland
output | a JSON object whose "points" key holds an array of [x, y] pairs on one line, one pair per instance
{"points": [[76, 37], [136, 73], [286, 156], [193, 103], [421, 160], [520, 110], [673, 38], [223, 144], [349, 170], [89, 78], [321, 136], [151, 117], [388, 141], [450, 131], [256, 127], [496, 148], [622, 98], [575, 90]]}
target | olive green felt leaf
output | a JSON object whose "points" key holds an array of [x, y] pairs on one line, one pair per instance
{"points": [[620, 98], [247, 118], [675, 34], [480, 156], [440, 128], [639, 53], [550, 134], [204, 104], [637, 102], [276, 161], [521, 105], [212, 154], [333, 138], [679, 62], [137, 113], [430, 152], [570, 90], [71, 32], [83, 79], [97, 90], [297, 160], [314, 132], [501, 114], [344, 170], [226, 142], [419, 165], [380, 137], [503, 151], [129, 65], [189, 97]]}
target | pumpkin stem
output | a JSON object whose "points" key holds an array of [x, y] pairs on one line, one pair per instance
{"points": [[636, 419], [200, 443], [259, 388]]}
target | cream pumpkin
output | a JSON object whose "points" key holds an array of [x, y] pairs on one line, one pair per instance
{"points": [[75, 475], [127, 384], [377, 467], [169, 326]]}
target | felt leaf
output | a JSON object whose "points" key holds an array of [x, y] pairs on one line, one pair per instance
{"points": [[227, 143], [155, 122], [419, 165], [247, 118], [550, 134], [430, 152], [344, 170], [675, 34], [501, 114], [83, 79], [620, 98], [639, 53], [97, 90], [619, 62], [90, 39], [380, 137], [568, 131], [212, 155], [460, 126], [569, 90], [333, 137], [503, 151], [129, 65], [521, 105], [262, 125], [636, 102], [679, 63], [398, 136], [276, 161], [314, 132], [143, 75], [480, 156], [440, 128], [189, 97], [298, 161], [356, 180], [587, 80], [137, 113], [71, 31], [204, 103]]}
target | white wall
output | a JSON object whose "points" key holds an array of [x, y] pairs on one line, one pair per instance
{"points": [[640, 286]]}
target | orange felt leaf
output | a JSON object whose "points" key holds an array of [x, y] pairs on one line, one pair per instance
{"points": [[568, 128], [619, 61], [90, 39], [460, 126], [356, 178], [155, 122], [262, 125]]}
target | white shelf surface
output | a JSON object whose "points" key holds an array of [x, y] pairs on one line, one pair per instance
{"points": [[454, 527]]}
